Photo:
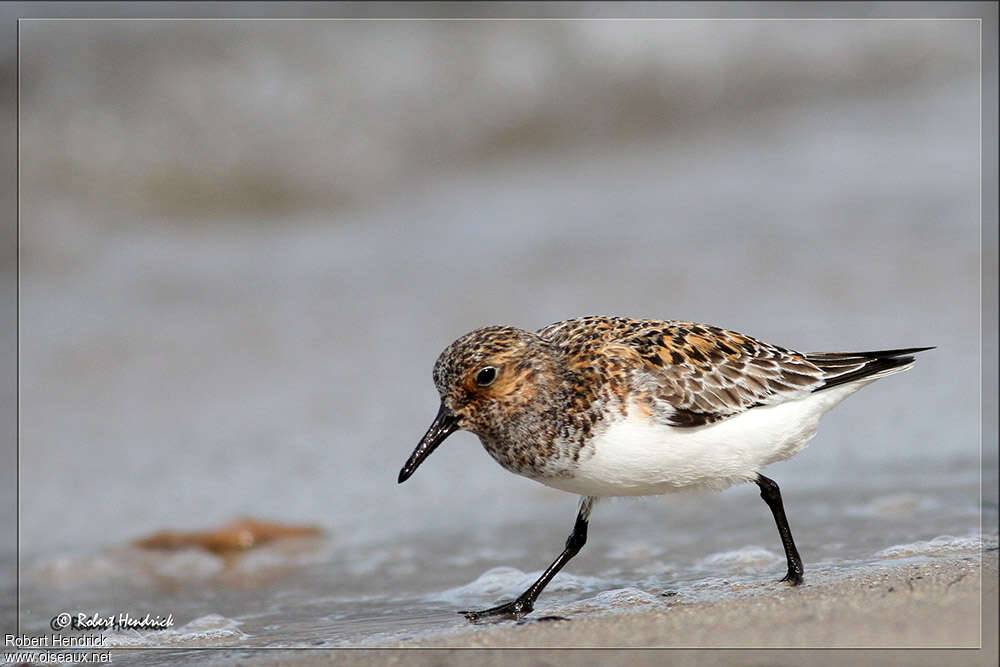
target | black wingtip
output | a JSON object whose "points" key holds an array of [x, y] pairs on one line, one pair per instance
{"points": [[912, 350], [873, 354], [866, 364]]}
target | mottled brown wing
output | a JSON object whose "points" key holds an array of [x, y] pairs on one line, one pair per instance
{"points": [[585, 335], [694, 374]]}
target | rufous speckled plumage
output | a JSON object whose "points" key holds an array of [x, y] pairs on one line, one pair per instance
{"points": [[611, 406]]}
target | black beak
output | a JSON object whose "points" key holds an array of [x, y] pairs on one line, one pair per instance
{"points": [[444, 425]]}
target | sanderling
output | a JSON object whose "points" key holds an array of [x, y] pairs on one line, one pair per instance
{"points": [[610, 406]]}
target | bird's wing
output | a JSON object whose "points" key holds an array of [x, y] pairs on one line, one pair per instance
{"points": [[689, 374]]}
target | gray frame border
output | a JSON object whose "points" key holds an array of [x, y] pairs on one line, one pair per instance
{"points": [[11, 12]]}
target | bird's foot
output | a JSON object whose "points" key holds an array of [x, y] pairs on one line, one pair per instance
{"points": [[794, 578], [509, 611]]}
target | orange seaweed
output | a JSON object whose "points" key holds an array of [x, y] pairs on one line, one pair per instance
{"points": [[238, 535]]}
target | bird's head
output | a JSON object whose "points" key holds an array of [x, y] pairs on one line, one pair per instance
{"points": [[486, 379]]}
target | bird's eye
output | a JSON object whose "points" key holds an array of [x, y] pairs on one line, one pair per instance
{"points": [[485, 376]]}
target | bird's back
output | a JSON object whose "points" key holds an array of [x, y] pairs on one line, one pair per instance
{"points": [[688, 374]]}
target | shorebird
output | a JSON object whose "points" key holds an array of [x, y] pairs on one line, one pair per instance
{"points": [[611, 406]]}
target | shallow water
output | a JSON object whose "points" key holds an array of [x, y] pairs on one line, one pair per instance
{"points": [[177, 377], [337, 597]]}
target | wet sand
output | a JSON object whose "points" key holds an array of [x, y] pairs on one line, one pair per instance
{"points": [[929, 605], [934, 604]]}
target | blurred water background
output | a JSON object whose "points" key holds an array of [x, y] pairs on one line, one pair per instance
{"points": [[243, 245]]}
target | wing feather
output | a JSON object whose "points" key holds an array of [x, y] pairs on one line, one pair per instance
{"points": [[699, 374], [690, 374]]}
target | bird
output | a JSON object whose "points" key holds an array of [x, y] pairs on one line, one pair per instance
{"points": [[613, 406]]}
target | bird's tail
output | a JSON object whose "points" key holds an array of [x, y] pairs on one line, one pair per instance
{"points": [[843, 367]]}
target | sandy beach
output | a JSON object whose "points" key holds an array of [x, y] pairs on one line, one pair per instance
{"points": [[885, 616], [934, 605]]}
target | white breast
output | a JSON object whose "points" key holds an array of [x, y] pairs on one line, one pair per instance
{"points": [[637, 456]]}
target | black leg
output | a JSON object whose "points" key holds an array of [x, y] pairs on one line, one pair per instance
{"points": [[771, 494], [525, 602]]}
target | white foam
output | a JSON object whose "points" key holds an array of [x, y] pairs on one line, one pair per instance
{"points": [[747, 559], [940, 544], [208, 629], [500, 582], [624, 599]]}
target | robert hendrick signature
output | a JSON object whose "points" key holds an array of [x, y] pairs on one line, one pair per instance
{"points": [[122, 621]]}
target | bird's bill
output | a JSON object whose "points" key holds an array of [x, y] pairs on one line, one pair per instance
{"points": [[444, 425]]}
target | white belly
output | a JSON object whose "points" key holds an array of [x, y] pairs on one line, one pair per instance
{"points": [[637, 456]]}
